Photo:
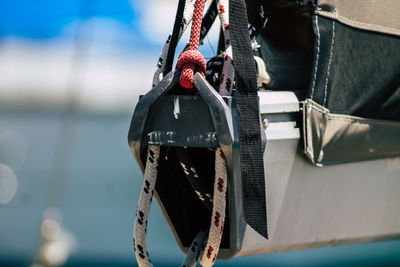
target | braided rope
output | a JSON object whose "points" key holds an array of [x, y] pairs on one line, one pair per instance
{"points": [[194, 250], [191, 64], [218, 212], [227, 70], [146, 195], [217, 218]]}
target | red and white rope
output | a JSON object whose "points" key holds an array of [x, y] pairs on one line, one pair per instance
{"points": [[218, 212], [227, 70]]}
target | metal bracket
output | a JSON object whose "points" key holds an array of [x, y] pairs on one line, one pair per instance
{"points": [[149, 126]]}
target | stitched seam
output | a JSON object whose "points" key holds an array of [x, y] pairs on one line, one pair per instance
{"points": [[351, 22], [349, 118], [329, 62], [314, 106], [373, 26], [317, 58]]}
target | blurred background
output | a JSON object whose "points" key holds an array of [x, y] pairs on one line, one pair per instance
{"points": [[71, 72]]}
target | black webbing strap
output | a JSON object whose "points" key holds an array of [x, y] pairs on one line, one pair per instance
{"points": [[175, 36], [208, 20], [251, 154]]}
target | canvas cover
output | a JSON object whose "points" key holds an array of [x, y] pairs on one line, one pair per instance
{"points": [[352, 97], [356, 72]]}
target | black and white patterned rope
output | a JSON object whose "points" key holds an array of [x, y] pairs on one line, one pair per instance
{"points": [[210, 250], [142, 214]]}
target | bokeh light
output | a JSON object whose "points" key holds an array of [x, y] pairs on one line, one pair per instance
{"points": [[8, 184]]}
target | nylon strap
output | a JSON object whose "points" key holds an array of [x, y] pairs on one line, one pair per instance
{"points": [[247, 104], [167, 48], [208, 20], [176, 33]]}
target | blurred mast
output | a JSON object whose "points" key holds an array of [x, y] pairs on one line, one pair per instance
{"points": [[51, 231]]}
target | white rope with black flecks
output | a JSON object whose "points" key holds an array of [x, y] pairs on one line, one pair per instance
{"points": [[210, 250], [142, 214]]}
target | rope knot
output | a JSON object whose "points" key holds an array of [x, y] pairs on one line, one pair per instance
{"points": [[189, 62]]}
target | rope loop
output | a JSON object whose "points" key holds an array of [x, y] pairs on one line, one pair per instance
{"points": [[210, 243], [189, 62]]}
